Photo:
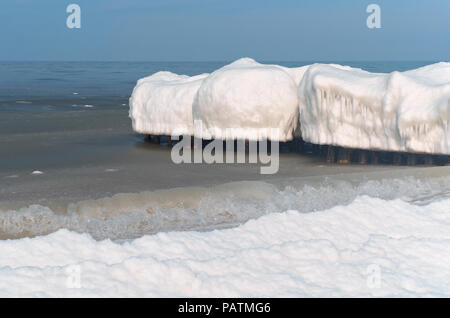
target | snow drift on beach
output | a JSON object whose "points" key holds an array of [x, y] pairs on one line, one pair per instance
{"points": [[400, 111], [248, 97], [371, 247], [161, 104]]}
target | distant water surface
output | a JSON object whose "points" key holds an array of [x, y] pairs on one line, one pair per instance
{"points": [[25, 80]]}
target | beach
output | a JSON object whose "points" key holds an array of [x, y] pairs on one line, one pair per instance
{"points": [[81, 165], [74, 175]]}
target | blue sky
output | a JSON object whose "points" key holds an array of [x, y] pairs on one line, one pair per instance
{"points": [[222, 30]]}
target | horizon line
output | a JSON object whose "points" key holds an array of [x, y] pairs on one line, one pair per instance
{"points": [[221, 61]]}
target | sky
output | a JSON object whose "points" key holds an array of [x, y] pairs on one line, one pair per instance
{"points": [[224, 30]]}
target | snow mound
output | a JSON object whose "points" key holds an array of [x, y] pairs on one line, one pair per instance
{"points": [[161, 104], [370, 247], [248, 98], [400, 111]]}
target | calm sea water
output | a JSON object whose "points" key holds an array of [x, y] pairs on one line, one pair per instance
{"points": [[69, 122], [28, 80]]}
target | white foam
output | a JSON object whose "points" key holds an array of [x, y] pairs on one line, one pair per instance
{"points": [[127, 216]]}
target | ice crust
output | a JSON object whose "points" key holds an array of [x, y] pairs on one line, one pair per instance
{"points": [[161, 104], [400, 111], [248, 97], [326, 104]]}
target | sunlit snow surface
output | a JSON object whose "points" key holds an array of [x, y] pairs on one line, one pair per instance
{"points": [[369, 247]]}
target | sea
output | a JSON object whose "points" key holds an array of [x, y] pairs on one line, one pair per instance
{"points": [[70, 160], [89, 208]]}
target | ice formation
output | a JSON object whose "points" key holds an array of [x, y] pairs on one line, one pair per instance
{"points": [[247, 97], [400, 111], [329, 104], [161, 104]]}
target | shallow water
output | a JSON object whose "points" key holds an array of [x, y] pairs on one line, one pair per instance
{"points": [[68, 123]]}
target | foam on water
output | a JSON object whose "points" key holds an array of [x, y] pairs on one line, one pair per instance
{"points": [[127, 216]]}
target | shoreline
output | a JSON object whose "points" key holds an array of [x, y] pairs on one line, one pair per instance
{"points": [[84, 169], [216, 205]]}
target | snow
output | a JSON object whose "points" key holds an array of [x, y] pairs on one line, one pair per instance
{"points": [[331, 104], [400, 111], [248, 97], [161, 104], [370, 247]]}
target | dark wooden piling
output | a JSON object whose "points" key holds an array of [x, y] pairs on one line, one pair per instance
{"points": [[323, 150], [300, 144], [428, 160], [397, 158], [363, 157], [374, 157], [331, 154], [284, 147], [411, 159], [315, 149], [344, 155], [154, 139]]}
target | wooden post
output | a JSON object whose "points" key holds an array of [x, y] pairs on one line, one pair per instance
{"points": [[155, 139], [300, 144], [315, 149], [331, 154], [374, 158], [164, 140], [411, 159], [363, 157], [428, 160], [283, 147], [344, 155], [397, 158]]}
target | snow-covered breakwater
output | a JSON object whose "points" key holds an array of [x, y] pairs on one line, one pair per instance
{"points": [[325, 104]]}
